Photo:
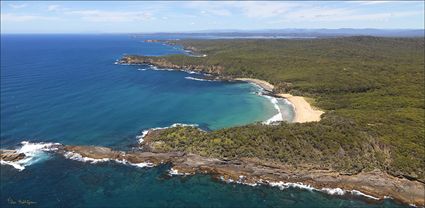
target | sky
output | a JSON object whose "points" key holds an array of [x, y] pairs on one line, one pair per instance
{"points": [[181, 16]]}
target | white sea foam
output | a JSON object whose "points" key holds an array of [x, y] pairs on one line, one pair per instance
{"points": [[142, 69], [153, 67], [34, 152], [333, 191], [141, 165], [284, 185], [358, 193], [175, 172], [275, 101], [241, 180], [16, 165], [192, 72], [277, 117], [141, 137], [202, 80], [182, 124], [79, 157]]}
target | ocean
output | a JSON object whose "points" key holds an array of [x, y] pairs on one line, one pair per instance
{"points": [[67, 89]]}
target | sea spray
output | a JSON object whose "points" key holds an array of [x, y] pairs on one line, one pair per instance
{"points": [[175, 172], [202, 80], [79, 157], [34, 152], [284, 185]]}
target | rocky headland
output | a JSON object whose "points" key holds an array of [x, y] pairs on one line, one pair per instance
{"points": [[374, 184], [159, 62]]}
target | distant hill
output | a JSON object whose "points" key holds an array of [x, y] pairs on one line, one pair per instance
{"points": [[281, 33]]}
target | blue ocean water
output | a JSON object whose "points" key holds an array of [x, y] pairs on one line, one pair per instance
{"points": [[67, 89]]}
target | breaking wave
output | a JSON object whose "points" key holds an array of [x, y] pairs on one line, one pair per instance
{"points": [[34, 152], [284, 185], [200, 79], [78, 157]]}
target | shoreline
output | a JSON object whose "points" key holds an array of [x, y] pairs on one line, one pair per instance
{"points": [[303, 111], [372, 184]]}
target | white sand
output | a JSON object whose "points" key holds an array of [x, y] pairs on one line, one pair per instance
{"points": [[263, 84], [303, 110]]}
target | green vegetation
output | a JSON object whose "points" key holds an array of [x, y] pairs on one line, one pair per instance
{"points": [[372, 90]]}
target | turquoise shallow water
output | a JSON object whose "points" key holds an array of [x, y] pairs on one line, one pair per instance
{"points": [[67, 89]]}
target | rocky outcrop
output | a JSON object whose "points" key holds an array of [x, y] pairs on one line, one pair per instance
{"points": [[95, 152], [163, 63], [11, 155], [375, 183]]}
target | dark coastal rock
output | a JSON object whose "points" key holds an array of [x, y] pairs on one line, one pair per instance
{"points": [[11, 155], [96, 152], [375, 183], [163, 63]]}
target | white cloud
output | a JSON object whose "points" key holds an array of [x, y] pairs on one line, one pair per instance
{"points": [[264, 9], [53, 8], [210, 8], [9, 17], [17, 6], [316, 13], [334, 15], [111, 16], [372, 2]]}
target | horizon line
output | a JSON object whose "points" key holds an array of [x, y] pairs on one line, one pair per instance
{"points": [[213, 31]]}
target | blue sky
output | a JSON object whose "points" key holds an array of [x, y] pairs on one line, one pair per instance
{"points": [[133, 16]]}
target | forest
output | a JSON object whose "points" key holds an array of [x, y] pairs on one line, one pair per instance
{"points": [[371, 88]]}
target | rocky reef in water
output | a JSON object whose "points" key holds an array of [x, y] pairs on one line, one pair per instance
{"points": [[11, 155], [252, 171]]}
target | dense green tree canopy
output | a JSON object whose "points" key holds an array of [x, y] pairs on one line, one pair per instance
{"points": [[371, 88]]}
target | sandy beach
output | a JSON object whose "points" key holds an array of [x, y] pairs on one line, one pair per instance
{"points": [[263, 84], [304, 112]]}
